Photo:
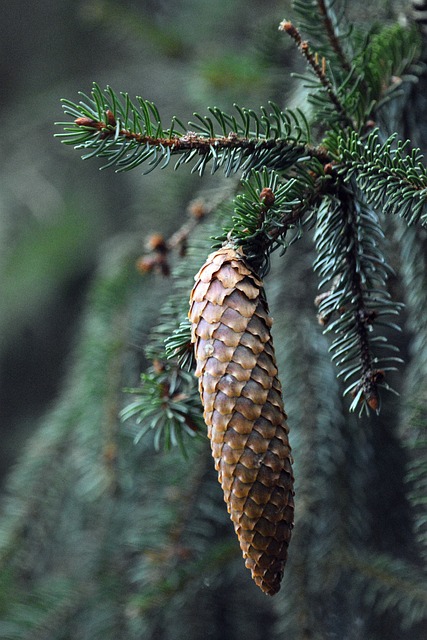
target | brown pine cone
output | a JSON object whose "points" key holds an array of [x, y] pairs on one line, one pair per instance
{"points": [[243, 410]]}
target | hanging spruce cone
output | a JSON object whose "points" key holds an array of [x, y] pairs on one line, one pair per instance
{"points": [[243, 410]]}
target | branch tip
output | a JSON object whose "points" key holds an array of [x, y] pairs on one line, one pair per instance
{"points": [[87, 122], [267, 197]]}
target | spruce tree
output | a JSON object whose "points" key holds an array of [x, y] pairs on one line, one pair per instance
{"points": [[325, 233]]}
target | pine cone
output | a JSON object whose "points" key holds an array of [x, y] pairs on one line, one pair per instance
{"points": [[243, 410]]}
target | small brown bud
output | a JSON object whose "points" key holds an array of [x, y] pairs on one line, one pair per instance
{"points": [[267, 197], [158, 365], [87, 122], [197, 209], [110, 118], [373, 401], [323, 319], [155, 262], [145, 264], [157, 242], [286, 25]]}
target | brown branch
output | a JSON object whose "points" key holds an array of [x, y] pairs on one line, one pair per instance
{"points": [[333, 39], [202, 144], [363, 317], [159, 247], [319, 69], [309, 199]]}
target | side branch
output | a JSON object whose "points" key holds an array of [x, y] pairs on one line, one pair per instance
{"points": [[110, 126], [392, 180], [270, 206], [351, 263], [363, 317], [318, 69], [192, 141], [309, 200], [332, 36]]}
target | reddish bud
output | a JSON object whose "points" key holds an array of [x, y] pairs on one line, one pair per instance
{"points": [[157, 242], [110, 118], [158, 366], [286, 26], [197, 209], [267, 196], [323, 319], [156, 262], [145, 264], [372, 401], [87, 122]]}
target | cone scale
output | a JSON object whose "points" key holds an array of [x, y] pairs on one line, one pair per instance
{"points": [[243, 410]]}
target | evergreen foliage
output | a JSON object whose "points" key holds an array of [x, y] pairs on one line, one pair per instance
{"points": [[141, 543], [128, 135], [341, 178], [392, 181]]}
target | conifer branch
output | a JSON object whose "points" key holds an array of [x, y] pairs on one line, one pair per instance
{"points": [[318, 69], [269, 207], [324, 10], [391, 180], [334, 40], [366, 387], [390, 583], [174, 581], [387, 56], [350, 261], [328, 446], [183, 552], [167, 402], [133, 550], [129, 135], [413, 251], [159, 248]]}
